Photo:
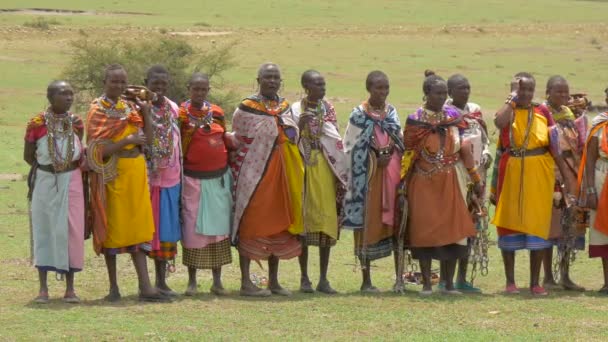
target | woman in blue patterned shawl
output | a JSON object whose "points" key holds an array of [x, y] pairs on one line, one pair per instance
{"points": [[373, 148]]}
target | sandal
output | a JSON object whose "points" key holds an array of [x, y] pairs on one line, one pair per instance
{"points": [[154, 298], [71, 298], [43, 298], [511, 289], [538, 290], [306, 287], [218, 291], [281, 291]]}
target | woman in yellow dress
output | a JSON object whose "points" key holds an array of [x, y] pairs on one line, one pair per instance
{"points": [[525, 180], [324, 177], [121, 215]]}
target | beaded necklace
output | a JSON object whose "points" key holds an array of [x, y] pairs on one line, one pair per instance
{"points": [[203, 121], [120, 109], [162, 146], [311, 139], [434, 118], [272, 107], [59, 128], [524, 146], [374, 111]]}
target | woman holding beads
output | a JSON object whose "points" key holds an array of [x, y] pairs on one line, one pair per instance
{"points": [[476, 132], [325, 171], [207, 186], [373, 147], [269, 178], [571, 134], [164, 162], [54, 150], [438, 169], [122, 220], [529, 155]]}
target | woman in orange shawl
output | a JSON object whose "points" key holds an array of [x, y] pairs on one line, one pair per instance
{"points": [[269, 175], [122, 220], [593, 189]]}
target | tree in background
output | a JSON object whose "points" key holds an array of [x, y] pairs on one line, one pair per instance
{"points": [[90, 57]]}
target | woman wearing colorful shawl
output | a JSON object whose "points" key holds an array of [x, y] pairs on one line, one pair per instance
{"points": [[564, 233], [373, 148], [476, 133], [526, 180], [53, 148], [121, 212], [164, 161], [593, 189], [207, 186], [325, 175], [269, 176], [438, 166]]}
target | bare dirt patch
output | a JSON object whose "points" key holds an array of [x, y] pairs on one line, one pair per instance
{"points": [[56, 11], [13, 177], [201, 33]]}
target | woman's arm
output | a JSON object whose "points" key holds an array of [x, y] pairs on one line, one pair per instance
{"points": [[114, 147], [144, 108], [504, 116], [568, 179], [29, 152], [589, 177]]}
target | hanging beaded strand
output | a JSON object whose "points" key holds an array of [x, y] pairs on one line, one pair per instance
{"points": [[310, 138], [60, 129], [162, 146]]}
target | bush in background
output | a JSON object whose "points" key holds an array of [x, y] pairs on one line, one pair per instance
{"points": [[85, 70], [41, 23]]}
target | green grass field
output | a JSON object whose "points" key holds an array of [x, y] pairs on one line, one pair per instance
{"points": [[488, 41]]}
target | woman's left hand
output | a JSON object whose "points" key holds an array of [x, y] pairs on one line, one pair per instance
{"points": [[144, 107]]}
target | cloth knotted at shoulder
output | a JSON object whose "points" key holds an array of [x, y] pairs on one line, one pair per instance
{"points": [[354, 203], [101, 128], [416, 131]]}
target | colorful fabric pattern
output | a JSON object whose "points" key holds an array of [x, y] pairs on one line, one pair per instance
{"points": [[117, 207], [212, 256], [259, 131], [165, 252], [357, 142]]}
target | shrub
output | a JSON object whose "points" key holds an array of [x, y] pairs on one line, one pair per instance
{"points": [[41, 23], [90, 57]]}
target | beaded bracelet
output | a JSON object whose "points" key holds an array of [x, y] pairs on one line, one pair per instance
{"points": [[475, 177], [95, 160]]}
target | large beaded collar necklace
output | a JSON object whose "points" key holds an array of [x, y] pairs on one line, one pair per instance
{"points": [[119, 109], [59, 128], [203, 120]]}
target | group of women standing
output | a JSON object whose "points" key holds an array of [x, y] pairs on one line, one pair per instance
{"points": [[154, 173]]}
